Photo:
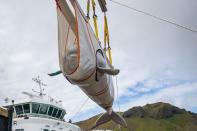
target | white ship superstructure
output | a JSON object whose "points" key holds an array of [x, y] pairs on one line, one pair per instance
{"points": [[40, 113]]}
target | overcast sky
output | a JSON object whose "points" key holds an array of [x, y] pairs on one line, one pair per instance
{"points": [[158, 61]]}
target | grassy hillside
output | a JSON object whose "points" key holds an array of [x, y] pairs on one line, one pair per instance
{"points": [[151, 117]]}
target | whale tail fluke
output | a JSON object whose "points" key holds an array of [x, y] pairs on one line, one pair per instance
{"points": [[106, 118], [118, 119]]}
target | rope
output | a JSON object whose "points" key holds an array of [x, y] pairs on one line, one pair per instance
{"points": [[117, 88], [77, 112], [155, 17], [118, 104]]}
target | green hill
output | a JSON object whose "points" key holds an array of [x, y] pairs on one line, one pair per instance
{"points": [[151, 117]]}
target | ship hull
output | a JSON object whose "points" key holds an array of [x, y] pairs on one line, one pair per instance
{"points": [[42, 124]]}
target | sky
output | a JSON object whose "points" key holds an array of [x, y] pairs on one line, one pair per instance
{"points": [[157, 60]]}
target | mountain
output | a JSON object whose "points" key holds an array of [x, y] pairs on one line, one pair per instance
{"points": [[151, 117]]}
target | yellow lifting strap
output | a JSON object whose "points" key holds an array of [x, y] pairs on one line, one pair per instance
{"points": [[106, 39], [95, 19], [106, 31], [88, 9], [96, 27], [94, 16]]}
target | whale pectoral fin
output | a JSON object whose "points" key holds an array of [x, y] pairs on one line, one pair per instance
{"points": [[55, 73], [108, 71]]}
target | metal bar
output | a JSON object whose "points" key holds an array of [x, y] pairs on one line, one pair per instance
{"points": [[10, 117]]}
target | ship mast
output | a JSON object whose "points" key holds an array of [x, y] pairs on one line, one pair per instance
{"points": [[40, 84]]}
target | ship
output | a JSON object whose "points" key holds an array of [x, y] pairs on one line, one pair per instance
{"points": [[39, 112]]}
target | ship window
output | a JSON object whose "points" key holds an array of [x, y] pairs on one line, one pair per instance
{"points": [[19, 110], [35, 108], [50, 110], [63, 114], [54, 112], [26, 108], [43, 109], [59, 113], [45, 129]]}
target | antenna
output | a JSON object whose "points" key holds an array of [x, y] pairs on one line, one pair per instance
{"points": [[40, 84]]}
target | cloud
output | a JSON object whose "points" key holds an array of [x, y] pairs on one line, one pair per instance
{"points": [[182, 96]]}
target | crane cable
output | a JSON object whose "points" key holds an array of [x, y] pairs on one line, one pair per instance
{"points": [[117, 88], [80, 108], [154, 16], [117, 93]]}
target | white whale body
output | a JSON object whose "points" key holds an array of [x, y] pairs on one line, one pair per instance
{"points": [[83, 62]]}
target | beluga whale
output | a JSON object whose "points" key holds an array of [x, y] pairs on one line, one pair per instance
{"points": [[83, 61]]}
